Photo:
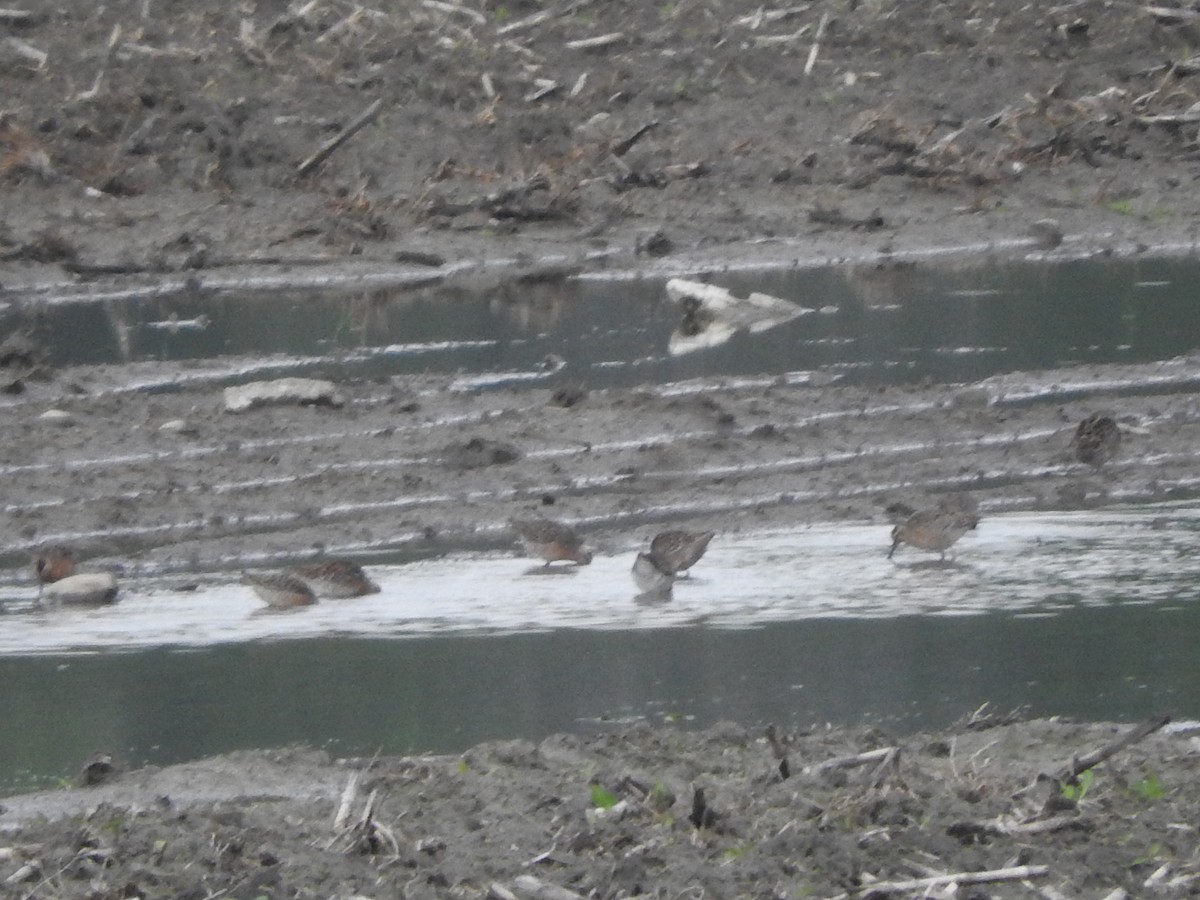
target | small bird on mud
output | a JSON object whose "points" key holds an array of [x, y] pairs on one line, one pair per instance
{"points": [[1096, 440], [335, 579], [280, 590], [653, 581], [677, 551], [552, 541], [937, 529]]}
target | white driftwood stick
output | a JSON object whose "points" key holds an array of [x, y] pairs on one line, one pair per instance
{"points": [[349, 794], [1014, 873], [1187, 118], [757, 18], [816, 47], [1167, 14], [769, 40], [26, 51], [542, 87], [532, 888], [455, 9], [600, 40], [326, 150], [1040, 826], [528, 22], [14, 16], [859, 759]]}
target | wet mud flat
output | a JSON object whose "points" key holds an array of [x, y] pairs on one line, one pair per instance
{"points": [[996, 806], [170, 482]]}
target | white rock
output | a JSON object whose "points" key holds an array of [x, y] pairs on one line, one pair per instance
{"points": [[311, 391]]}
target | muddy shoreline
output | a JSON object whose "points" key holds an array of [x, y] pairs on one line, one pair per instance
{"points": [[835, 812]]}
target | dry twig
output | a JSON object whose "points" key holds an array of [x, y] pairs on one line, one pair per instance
{"points": [[366, 117]]}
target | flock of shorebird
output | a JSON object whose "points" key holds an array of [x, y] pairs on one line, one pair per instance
{"points": [[670, 556]]}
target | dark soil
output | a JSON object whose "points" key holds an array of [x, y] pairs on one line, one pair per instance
{"points": [[138, 140], [138, 137], [618, 815]]}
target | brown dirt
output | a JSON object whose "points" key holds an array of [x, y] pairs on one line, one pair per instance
{"points": [[152, 141], [155, 139], [530, 819]]}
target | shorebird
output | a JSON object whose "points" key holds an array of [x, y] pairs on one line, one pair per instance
{"points": [[335, 579], [60, 585], [678, 551], [937, 529], [87, 589], [280, 590], [552, 541], [54, 564], [1096, 440], [653, 581]]}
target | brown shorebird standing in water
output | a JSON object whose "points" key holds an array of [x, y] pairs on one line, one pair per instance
{"points": [[335, 579], [60, 585], [939, 528], [1096, 440], [279, 590], [677, 551], [552, 541]]}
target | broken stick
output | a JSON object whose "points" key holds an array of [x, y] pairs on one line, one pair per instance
{"points": [[1081, 764], [366, 117], [1013, 873]]}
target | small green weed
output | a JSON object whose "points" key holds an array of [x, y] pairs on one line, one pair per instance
{"points": [[1079, 789], [1149, 788], [1152, 854], [602, 799]]}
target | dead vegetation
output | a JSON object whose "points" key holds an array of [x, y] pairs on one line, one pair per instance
{"points": [[649, 811], [720, 119]]}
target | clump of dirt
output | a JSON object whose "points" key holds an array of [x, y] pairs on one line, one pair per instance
{"points": [[999, 807]]}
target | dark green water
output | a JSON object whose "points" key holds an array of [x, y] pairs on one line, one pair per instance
{"points": [[445, 694], [900, 322]]}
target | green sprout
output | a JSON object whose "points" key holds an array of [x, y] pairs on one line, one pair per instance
{"points": [[602, 799], [1077, 790], [1149, 788]]}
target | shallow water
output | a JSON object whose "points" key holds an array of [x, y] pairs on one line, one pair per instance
{"points": [[895, 322], [1084, 614]]}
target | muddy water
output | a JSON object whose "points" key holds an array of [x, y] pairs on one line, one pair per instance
{"points": [[1086, 614]]}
